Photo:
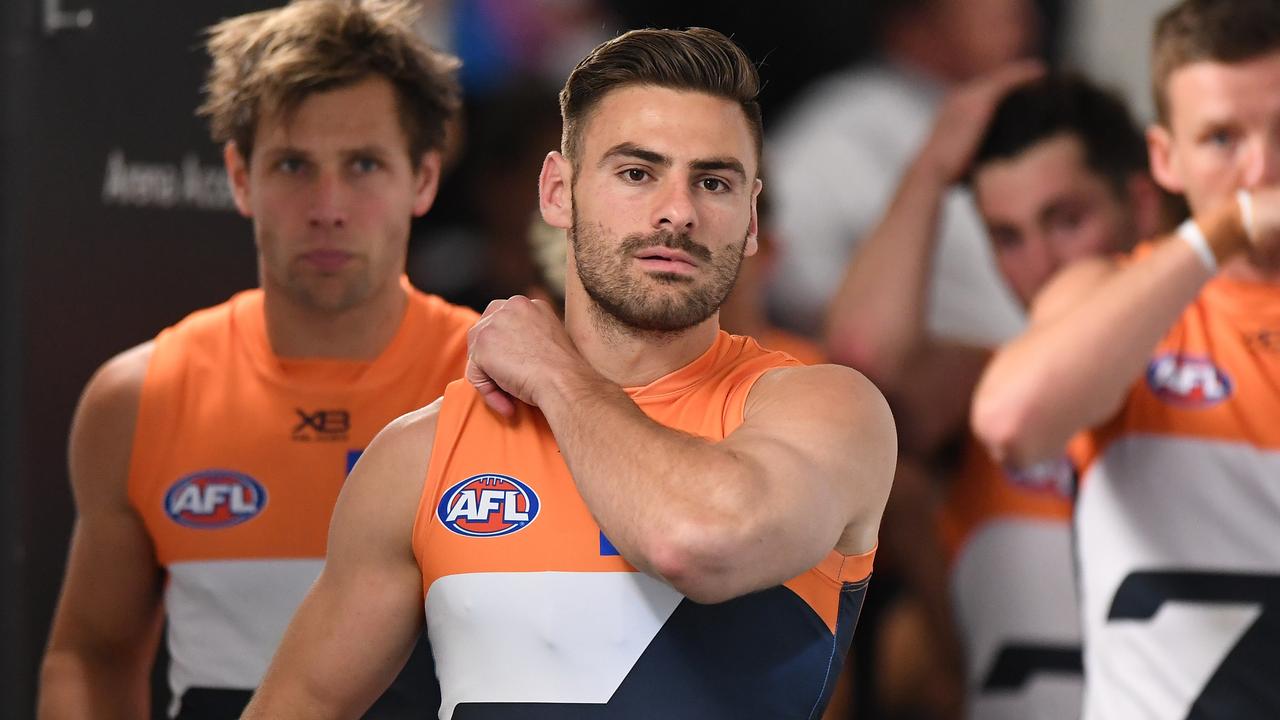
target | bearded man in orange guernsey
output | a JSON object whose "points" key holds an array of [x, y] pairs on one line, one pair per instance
{"points": [[206, 463], [631, 514]]}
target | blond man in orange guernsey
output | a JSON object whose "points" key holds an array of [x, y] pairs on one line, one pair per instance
{"points": [[1168, 361], [206, 462], [630, 514]]}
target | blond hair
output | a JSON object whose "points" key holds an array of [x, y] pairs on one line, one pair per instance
{"points": [[270, 61], [1225, 31]]}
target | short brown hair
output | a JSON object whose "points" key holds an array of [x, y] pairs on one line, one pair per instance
{"points": [[696, 59], [273, 59], [1225, 31]]}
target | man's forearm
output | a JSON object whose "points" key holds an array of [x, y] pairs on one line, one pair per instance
{"points": [[876, 318], [75, 686], [667, 500], [1072, 372]]}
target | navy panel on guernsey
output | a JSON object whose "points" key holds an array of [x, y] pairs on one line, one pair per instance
{"points": [[711, 662]]}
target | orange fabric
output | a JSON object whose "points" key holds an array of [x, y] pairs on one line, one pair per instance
{"points": [[981, 491], [704, 398], [217, 402], [800, 348], [1232, 328]]}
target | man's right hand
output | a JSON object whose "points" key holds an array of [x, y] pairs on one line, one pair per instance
{"points": [[1263, 228], [1230, 233], [965, 115]]}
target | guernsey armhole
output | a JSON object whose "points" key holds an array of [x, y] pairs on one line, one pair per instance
{"points": [[848, 568], [442, 446]]}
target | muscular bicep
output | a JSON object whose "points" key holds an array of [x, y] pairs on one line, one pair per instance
{"points": [[823, 441], [358, 624]]}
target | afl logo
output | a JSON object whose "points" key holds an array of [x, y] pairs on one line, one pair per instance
{"points": [[488, 505], [212, 499], [1188, 381]]}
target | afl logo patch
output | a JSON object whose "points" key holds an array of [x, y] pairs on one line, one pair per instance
{"points": [[1188, 381], [488, 505], [212, 499]]}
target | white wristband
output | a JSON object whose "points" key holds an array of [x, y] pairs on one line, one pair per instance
{"points": [[1245, 201], [1192, 235]]}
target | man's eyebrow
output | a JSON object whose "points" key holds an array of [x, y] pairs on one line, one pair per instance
{"points": [[285, 150], [1060, 205], [632, 150], [730, 164]]}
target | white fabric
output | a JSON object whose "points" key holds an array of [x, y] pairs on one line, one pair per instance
{"points": [[590, 628], [1013, 584], [226, 618], [1154, 503], [1245, 200], [832, 168], [1192, 235]]}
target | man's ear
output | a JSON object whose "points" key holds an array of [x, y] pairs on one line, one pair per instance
{"points": [[427, 182], [1146, 203], [237, 166], [555, 196], [1163, 159], [753, 229]]}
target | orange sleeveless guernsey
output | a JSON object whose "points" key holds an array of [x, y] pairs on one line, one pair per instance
{"points": [[1013, 589], [237, 461], [1178, 522], [797, 346], [531, 613]]}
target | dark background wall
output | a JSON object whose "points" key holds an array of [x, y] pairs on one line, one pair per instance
{"points": [[92, 267]]}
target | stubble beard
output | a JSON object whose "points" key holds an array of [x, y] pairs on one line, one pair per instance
{"points": [[619, 294]]}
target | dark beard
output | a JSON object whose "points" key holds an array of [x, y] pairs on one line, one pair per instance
{"points": [[608, 280]]}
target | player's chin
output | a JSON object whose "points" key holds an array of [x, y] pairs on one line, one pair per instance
{"points": [[332, 293], [670, 279]]}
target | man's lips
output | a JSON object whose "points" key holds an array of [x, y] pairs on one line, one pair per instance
{"points": [[327, 260], [664, 259]]}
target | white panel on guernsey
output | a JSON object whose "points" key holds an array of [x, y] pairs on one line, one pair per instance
{"points": [[569, 638], [1013, 587], [1195, 514], [227, 617]]}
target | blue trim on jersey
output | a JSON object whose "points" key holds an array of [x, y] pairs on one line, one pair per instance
{"points": [[352, 457], [606, 547]]}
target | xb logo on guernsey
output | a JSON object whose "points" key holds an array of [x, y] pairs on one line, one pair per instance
{"points": [[1188, 380], [324, 425], [212, 499], [488, 505]]}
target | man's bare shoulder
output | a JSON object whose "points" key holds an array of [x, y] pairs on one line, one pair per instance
{"points": [[828, 386], [119, 380], [831, 402], [378, 505], [102, 430], [397, 459], [408, 438]]}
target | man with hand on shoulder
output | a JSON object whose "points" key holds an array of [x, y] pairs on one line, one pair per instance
{"points": [[631, 514]]}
